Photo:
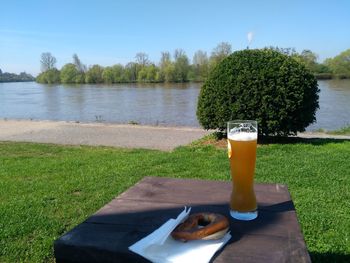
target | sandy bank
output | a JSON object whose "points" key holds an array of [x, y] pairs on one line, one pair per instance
{"points": [[117, 135]]}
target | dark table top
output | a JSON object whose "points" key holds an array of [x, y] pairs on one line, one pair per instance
{"points": [[275, 236]]}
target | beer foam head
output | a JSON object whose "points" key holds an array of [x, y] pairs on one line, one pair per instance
{"points": [[242, 136]]}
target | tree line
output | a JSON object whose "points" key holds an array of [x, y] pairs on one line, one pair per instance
{"points": [[12, 77], [175, 67], [336, 67]]}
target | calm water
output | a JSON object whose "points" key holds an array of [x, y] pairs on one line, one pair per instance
{"points": [[155, 104], [334, 112]]}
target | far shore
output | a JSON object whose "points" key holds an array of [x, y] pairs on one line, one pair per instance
{"points": [[325, 76]]}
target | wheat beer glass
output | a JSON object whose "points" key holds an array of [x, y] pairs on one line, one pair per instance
{"points": [[242, 138]]}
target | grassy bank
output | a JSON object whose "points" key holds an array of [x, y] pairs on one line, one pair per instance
{"points": [[342, 131], [322, 76], [46, 190]]}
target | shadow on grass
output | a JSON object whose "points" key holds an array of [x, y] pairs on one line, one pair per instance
{"points": [[299, 140], [329, 257], [286, 139]]}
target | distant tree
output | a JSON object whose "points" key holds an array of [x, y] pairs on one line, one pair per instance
{"points": [[24, 76], [53, 76], [130, 72], [165, 62], [200, 65], [118, 71], [152, 73], [340, 64], [113, 74], [165, 58], [169, 73], [78, 64], [148, 74], [221, 51], [322, 68], [200, 58], [179, 52], [308, 58], [12, 77], [94, 74], [142, 59], [181, 65], [50, 76], [70, 74], [47, 61], [107, 75], [40, 78], [142, 75]]}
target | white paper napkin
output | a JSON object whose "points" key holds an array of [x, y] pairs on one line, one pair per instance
{"points": [[160, 247]]}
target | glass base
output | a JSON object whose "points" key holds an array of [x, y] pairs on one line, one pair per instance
{"points": [[245, 216]]}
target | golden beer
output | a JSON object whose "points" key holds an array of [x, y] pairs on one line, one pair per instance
{"points": [[242, 143]]}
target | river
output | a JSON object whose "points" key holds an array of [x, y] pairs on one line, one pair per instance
{"points": [[152, 104]]}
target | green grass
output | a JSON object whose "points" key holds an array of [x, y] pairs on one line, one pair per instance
{"points": [[45, 190]]}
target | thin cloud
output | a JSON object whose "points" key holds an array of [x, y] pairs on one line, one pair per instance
{"points": [[250, 37]]}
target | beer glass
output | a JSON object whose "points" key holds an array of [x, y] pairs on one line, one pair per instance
{"points": [[242, 138]]}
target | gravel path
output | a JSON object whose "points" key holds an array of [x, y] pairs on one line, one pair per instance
{"points": [[130, 136]]}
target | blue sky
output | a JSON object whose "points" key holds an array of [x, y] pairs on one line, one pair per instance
{"points": [[107, 32]]}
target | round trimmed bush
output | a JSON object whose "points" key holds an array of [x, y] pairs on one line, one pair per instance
{"points": [[263, 85]]}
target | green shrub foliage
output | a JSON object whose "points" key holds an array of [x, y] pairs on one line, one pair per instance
{"points": [[264, 85], [50, 76]]}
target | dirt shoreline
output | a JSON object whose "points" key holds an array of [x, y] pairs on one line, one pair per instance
{"points": [[109, 134], [104, 134]]}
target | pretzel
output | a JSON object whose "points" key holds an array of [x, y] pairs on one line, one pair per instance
{"points": [[201, 226]]}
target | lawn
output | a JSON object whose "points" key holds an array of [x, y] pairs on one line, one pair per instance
{"points": [[46, 190]]}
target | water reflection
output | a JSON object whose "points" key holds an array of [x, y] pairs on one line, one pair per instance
{"points": [[163, 104]]}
